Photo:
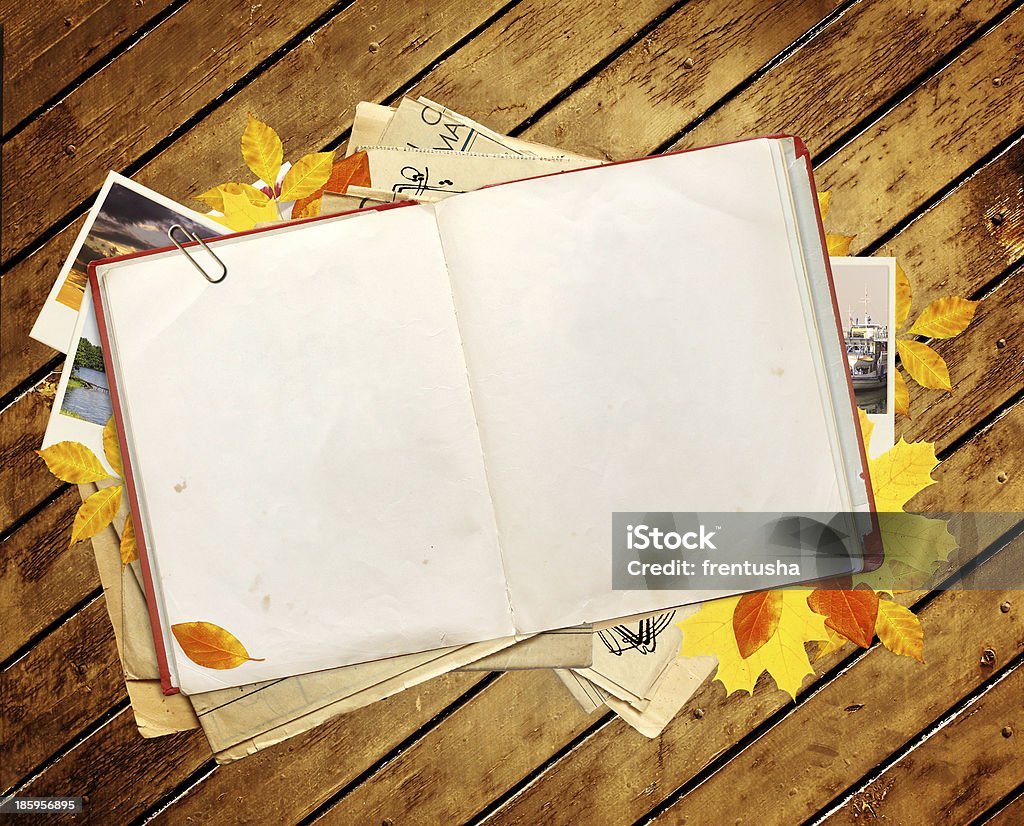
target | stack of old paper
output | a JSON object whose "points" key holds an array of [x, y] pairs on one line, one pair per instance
{"points": [[418, 150]]}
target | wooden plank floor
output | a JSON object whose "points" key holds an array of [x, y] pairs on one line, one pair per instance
{"points": [[914, 112]]}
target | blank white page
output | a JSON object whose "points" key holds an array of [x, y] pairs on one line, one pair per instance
{"points": [[305, 448], [636, 342]]}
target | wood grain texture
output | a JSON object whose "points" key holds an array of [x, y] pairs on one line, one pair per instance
{"points": [[24, 479], [849, 726], [288, 782], [119, 773], [48, 45], [124, 111], [451, 774], [40, 576], [955, 775], [1012, 814], [57, 690]]}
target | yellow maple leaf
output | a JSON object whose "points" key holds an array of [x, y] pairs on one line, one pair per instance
{"points": [[903, 296], [834, 642], [96, 513], [901, 394], [925, 366], [241, 214], [914, 546], [900, 630], [129, 547], [74, 463], [945, 317], [308, 175], [901, 472], [709, 631], [262, 150], [838, 244]]}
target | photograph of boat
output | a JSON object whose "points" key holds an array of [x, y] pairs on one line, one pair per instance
{"points": [[867, 350]]}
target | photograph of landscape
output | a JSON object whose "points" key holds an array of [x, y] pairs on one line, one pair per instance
{"points": [[127, 222], [87, 396]]}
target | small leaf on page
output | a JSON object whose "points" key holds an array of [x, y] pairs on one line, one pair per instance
{"points": [[74, 463], [96, 513], [210, 646]]}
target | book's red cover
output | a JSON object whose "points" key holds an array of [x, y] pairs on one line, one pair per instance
{"points": [[872, 542]]}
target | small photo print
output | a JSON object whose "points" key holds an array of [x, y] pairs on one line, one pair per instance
{"points": [[87, 396], [864, 306], [127, 222], [126, 218]]}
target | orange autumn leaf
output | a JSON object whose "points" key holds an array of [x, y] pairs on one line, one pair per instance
{"points": [[755, 620], [901, 395], [210, 645], [262, 150], [129, 547], [74, 463], [111, 447], [945, 317], [925, 366], [310, 210], [351, 171], [96, 513], [900, 630], [838, 245], [850, 613], [903, 296]]}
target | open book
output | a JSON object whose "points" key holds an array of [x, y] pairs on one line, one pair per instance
{"points": [[408, 428]]}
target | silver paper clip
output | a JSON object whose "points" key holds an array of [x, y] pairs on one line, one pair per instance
{"points": [[193, 237]]}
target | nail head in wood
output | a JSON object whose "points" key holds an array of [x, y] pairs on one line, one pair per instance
{"points": [[1005, 607]]}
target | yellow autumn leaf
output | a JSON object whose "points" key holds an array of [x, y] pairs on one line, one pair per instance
{"points": [[74, 463], [210, 645], [900, 630], [709, 631], [903, 296], [824, 199], [867, 427], [901, 472], [914, 546], [308, 174], [901, 395], [834, 642], [925, 366], [214, 198], [129, 547], [241, 214], [111, 447], [838, 244], [945, 317], [262, 150], [96, 513]]}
